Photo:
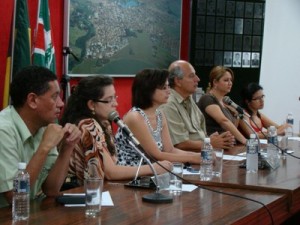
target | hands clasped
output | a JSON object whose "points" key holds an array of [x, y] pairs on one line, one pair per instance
{"points": [[225, 140], [54, 134]]}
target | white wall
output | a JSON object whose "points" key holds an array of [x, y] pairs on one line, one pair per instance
{"points": [[280, 67]]}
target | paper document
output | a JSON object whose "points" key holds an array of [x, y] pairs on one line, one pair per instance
{"points": [[233, 157], [106, 199]]}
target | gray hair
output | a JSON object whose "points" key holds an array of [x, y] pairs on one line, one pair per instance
{"points": [[174, 72]]}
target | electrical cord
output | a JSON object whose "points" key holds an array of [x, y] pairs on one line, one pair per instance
{"points": [[277, 146], [216, 191]]}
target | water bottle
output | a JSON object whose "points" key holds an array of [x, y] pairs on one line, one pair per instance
{"points": [[290, 121], [252, 154], [272, 149], [207, 160], [21, 192]]}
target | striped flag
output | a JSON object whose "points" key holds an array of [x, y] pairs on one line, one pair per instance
{"points": [[43, 51], [20, 46], [8, 67]]}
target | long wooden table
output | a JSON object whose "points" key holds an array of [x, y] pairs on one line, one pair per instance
{"points": [[197, 207], [285, 179], [278, 189]]}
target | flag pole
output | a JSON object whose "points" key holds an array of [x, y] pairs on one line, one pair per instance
{"points": [[36, 28], [65, 81], [9, 59]]}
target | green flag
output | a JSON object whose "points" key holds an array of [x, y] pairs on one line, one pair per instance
{"points": [[43, 52], [22, 44]]}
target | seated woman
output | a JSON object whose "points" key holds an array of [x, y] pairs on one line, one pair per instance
{"points": [[88, 107], [252, 101], [218, 116], [150, 89]]}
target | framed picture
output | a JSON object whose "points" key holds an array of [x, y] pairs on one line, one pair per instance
{"points": [[237, 59], [246, 59], [210, 24], [120, 38], [237, 44], [255, 59], [228, 59], [220, 7]]}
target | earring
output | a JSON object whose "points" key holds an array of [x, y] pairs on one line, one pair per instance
{"points": [[93, 111]]}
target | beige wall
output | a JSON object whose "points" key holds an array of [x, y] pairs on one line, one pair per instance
{"points": [[280, 68]]}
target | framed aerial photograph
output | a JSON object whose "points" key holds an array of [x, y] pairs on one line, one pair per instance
{"points": [[122, 37]]}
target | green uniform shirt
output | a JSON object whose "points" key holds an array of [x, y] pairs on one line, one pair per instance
{"points": [[18, 145]]}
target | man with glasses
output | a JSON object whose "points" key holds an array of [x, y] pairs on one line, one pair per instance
{"points": [[185, 120], [29, 134]]}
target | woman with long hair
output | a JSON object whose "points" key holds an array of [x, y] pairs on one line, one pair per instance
{"points": [[219, 116], [88, 107]]}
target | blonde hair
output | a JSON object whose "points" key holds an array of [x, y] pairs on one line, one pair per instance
{"points": [[216, 74]]}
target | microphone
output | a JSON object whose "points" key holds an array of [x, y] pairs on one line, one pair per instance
{"points": [[240, 110], [153, 197], [113, 116]]}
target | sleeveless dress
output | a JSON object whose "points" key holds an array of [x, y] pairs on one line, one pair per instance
{"points": [[127, 156]]}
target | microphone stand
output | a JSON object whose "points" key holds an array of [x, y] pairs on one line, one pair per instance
{"points": [[65, 80], [153, 197], [260, 158], [241, 116], [138, 170]]}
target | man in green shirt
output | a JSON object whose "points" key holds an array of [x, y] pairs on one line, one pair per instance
{"points": [[29, 134], [185, 120]]}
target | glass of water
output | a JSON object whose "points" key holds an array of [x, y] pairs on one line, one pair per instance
{"points": [[175, 184], [93, 191]]}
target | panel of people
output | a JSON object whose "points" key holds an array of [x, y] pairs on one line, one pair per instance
{"points": [[169, 125]]}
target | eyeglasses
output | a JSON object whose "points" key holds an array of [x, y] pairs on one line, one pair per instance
{"points": [[259, 98], [108, 100], [163, 88]]}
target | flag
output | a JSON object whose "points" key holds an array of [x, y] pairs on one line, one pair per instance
{"points": [[8, 67], [20, 45], [43, 51]]}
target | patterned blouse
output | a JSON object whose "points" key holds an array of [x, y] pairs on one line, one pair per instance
{"points": [[126, 154], [87, 157]]}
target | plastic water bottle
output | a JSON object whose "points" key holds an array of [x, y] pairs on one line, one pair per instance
{"points": [[272, 149], [290, 121], [207, 160], [252, 154], [20, 205]]}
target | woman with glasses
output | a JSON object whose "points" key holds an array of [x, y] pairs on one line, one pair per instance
{"points": [[88, 107], [219, 116], [252, 101], [150, 89]]}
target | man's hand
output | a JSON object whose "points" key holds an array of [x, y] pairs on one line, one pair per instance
{"points": [[225, 140], [71, 136], [52, 136]]}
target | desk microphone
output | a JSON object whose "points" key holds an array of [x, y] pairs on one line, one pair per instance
{"points": [[240, 110], [113, 116], [156, 197]]}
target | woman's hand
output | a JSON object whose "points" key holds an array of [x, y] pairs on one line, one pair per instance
{"points": [[166, 164]]}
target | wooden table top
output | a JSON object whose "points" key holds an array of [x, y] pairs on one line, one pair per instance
{"points": [[284, 179], [197, 207], [278, 189]]}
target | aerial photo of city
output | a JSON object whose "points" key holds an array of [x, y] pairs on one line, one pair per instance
{"points": [[121, 37]]}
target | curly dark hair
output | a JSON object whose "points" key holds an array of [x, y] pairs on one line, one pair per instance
{"points": [[88, 88]]}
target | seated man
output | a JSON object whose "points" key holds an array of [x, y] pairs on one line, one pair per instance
{"points": [[29, 134], [185, 120]]}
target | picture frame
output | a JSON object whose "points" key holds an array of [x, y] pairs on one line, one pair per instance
{"points": [[120, 38]]}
